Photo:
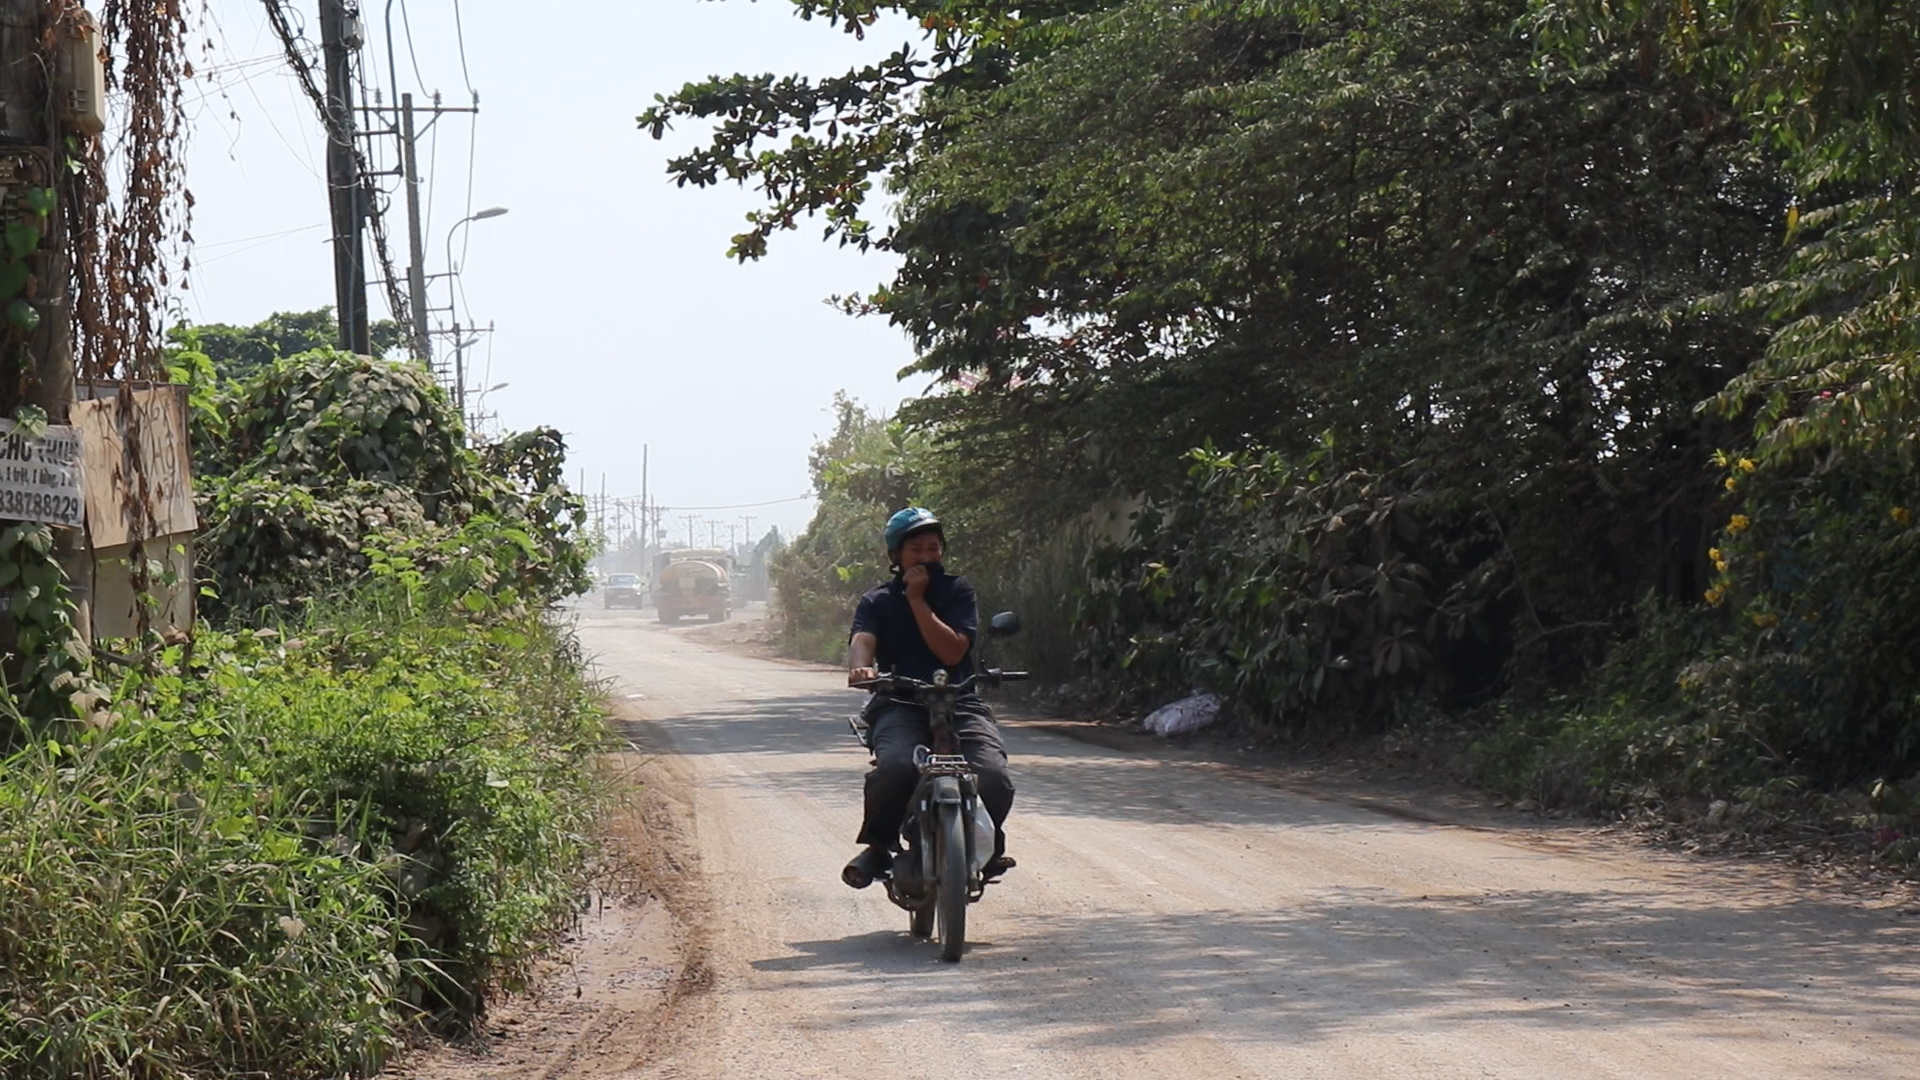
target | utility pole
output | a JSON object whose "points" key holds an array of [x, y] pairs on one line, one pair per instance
{"points": [[690, 519], [460, 387], [713, 532], [747, 521], [646, 534], [339, 40], [30, 131], [416, 252], [33, 131]]}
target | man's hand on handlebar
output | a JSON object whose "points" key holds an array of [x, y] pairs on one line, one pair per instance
{"points": [[914, 689]]}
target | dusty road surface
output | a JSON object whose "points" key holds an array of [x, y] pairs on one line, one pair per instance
{"points": [[1173, 919]]}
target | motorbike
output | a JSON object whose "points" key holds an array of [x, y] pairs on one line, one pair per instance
{"points": [[946, 837]]}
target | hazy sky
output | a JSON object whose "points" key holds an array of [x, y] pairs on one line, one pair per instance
{"points": [[617, 316]]}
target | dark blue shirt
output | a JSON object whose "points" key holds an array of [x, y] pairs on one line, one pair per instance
{"points": [[886, 614]]}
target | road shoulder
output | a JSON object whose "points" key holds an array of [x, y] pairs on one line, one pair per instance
{"points": [[607, 1001]]}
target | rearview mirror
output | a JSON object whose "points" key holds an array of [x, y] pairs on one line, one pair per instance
{"points": [[1005, 624]]}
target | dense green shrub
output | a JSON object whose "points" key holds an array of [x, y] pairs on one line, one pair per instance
{"points": [[302, 462], [150, 930], [1308, 595], [287, 844], [1820, 574], [1635, 734], [270, 850]]}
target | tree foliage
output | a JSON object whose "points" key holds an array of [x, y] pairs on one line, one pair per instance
{"points": [[240, 352], [320, 456], [1462, 298], [863, 471]]}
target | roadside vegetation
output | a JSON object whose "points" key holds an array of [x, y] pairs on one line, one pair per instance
{"points": [[1535, 377], [354, 801]]}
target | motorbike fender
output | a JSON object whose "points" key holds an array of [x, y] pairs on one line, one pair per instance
{"points": [[945, 791]]}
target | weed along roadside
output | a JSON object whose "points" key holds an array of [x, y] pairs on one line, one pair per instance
{"points": [[352, 808]]}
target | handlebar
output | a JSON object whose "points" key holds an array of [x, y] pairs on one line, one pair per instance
{"points": [[914, 688]]}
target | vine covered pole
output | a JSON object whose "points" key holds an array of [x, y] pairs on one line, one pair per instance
{"points": [[37, 368], [41, 375], [19, 75]]}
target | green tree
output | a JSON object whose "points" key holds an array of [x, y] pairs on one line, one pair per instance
{"points": [[1816, 556], [1272, 225], [863, 471], [240, 352]]}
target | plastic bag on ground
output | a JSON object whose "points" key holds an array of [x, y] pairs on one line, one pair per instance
{"points": [[1187, 714]]}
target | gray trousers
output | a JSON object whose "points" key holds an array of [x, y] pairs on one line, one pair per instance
{"points": [[897, 729]]}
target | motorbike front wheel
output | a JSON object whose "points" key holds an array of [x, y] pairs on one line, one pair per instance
{"points": [[950, 896]]}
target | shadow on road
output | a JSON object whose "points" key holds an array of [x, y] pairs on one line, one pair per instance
{"points": [[1052, 773], [804, 724], [1564, 960]]}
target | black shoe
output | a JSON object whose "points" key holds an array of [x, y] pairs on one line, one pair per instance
{"points": [[996, 866], [866, 866]]}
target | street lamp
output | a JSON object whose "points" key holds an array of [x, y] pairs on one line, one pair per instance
{"points": [[459, 346], [480, 399], [478, 215]]}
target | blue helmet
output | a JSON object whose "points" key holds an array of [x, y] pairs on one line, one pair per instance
{"points": [[912, 520]]}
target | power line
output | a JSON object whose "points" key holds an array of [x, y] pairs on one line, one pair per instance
{"points": [[460, 38], [258, 242], [406, 23], [290, 39], [296, 59], [735, 506]]}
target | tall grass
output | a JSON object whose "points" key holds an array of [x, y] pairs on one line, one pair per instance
{"points": [[291, 845], [145, 936]]}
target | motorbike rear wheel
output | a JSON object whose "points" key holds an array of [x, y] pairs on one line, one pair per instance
{"points": [[950, 895]]}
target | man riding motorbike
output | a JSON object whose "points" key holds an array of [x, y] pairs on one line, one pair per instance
{"points": [[922, 621]]}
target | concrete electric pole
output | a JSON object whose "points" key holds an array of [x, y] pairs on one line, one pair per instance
{"points": [[340, 36], [416, 249]]}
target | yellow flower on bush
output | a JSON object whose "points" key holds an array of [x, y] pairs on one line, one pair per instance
{"points": [[1766, 619], [1716, 594], [1902, 516], [1747, 465], [1738, 524], [1732, 484], [1719, 560]]}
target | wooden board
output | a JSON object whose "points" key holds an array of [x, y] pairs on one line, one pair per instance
{"points": [[109, 472]]}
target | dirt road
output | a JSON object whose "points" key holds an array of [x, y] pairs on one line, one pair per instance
{"points": [[1174, 919]]}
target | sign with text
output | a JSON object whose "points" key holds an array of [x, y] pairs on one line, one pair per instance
{"points": [[40, 475]]}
